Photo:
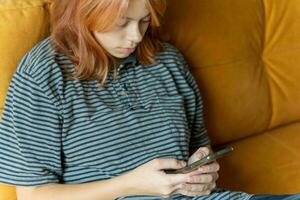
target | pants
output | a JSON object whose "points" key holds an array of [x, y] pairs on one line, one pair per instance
{"points": [[276, 197]]}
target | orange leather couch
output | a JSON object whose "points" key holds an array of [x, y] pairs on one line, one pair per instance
{"points": [[245, 55]]}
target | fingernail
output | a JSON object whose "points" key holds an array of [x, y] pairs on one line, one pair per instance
{"points": [[200, 154]]}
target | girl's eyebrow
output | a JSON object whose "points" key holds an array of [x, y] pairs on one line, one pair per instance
{"points": [[141, 18]]}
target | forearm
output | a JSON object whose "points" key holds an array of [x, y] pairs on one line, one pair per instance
{"points": [[100, 190]]}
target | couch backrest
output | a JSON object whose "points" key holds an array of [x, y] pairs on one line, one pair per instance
{"points": [[23, 23], [245, 55]]}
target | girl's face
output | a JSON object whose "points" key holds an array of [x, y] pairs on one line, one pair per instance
{"points": [[128, 32]]}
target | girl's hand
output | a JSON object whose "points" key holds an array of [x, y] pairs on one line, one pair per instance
{"points": [[150, 178], [203, 180]]}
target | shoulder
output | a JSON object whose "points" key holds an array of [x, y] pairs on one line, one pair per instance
{"points": [[42, 66], [172, 57], [170, 51], [40, 69], [170, 54], [40, 61]]}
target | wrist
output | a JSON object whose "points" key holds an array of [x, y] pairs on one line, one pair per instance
{"points": [[128, 185]]}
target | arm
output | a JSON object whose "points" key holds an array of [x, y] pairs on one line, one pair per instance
{"points": [[147, 179], [194, 108], [104, 190]]}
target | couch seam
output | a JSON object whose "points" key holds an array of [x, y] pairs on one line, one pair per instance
{"points": [[258, 133], [265, 70]]}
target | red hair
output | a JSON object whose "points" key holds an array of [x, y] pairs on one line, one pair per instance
{"points": [[73, 22]]}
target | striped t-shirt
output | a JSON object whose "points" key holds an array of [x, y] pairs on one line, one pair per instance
{"points": [[58, 130]]}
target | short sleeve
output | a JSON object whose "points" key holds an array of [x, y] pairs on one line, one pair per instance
{"points": [[30, 135]]}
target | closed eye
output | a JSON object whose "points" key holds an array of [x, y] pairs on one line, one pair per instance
{"points": [[124, 22]]}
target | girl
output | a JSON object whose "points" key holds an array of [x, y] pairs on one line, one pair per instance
{"points": [[102, 107]]}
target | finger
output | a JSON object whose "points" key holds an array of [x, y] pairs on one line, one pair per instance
{"points": [[175, 188], [177, 179], [194, 173], [198, 187], [167, 163], [203, 178], [200, 153], [203, 151], [193, 158], [206, 169], [209, 168]]}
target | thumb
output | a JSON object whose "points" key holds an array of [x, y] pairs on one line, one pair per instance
{"points": [[168, 163], [200, 153]]}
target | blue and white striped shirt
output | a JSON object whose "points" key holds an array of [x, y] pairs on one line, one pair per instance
{"points": [[57, 130]]}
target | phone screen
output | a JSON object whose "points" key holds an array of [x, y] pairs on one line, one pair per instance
{"points": [[203, 161]]}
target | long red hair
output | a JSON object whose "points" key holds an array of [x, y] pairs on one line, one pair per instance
{"points": [[73, 22]]}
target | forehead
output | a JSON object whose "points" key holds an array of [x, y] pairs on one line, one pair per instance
{"points": [[137, 9]]}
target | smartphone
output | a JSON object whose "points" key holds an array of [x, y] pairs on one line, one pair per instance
{"points": [[203, 161]]}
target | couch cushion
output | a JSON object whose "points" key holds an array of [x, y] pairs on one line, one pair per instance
{"points": [[266, 163], [245, 56], [23, 23]]}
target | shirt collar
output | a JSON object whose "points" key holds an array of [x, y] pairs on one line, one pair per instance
{"points": [[131, 59]]}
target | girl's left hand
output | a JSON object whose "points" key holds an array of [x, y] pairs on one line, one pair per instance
{"points": [[203, 180]]}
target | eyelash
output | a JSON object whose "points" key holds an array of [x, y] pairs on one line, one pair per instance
{"points": [[125, 24]]}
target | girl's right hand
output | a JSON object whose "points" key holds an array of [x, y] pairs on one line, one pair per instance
{"points": [[150, 178]]}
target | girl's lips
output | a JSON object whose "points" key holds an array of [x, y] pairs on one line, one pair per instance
{"points": [[128, 50]]}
